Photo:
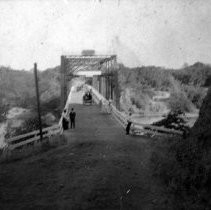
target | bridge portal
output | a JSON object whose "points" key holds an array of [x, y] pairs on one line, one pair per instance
{"points": [[102, 69]]}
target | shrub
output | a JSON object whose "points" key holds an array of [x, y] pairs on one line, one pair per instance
{"points": [[179, 102], [195, 94], [137, 102], [3, 110], [140, 99], [52, 105], [174, 120]]}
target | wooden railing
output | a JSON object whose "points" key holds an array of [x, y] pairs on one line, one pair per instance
{"points": [[33, 136], [121, 117]]}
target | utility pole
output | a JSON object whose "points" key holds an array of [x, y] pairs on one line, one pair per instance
{"points": [[38, 100]]}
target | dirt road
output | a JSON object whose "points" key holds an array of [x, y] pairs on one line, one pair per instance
{"points": [[99, 168]]}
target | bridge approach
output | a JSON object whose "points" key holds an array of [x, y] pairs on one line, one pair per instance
{"points": [[99, 167]]}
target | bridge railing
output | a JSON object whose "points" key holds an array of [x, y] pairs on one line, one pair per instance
{"points": [[137, 128], [28, 138], [33, 136]]}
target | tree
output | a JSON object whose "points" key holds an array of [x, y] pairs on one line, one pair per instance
{"points": [[3, 109], [179, 102], [174, 120]]}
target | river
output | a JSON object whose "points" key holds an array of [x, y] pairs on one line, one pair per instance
{"points": [[12, 115]]}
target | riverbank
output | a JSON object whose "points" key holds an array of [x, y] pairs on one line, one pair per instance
{"points": [[190, 118], [3, 127], [12, 121]]}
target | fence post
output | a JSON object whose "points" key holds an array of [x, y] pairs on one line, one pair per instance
{"points": [[38, 100]]}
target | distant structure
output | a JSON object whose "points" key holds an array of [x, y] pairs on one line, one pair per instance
{"points": [[88, 52], [100, 69]]}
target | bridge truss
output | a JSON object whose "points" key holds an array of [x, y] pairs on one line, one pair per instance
{"points": [[105, 82]]}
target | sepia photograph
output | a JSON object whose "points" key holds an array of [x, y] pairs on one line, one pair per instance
{"points": [[105, 104]]}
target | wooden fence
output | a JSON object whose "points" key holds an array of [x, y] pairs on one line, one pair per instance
{"points": [[31, 137]]}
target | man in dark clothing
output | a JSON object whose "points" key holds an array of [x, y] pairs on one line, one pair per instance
{"points": [[129, 123], [72, 118]]}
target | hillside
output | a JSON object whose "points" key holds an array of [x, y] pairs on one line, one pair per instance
{"points": [[19, 91], [49, 84], [187, 87], [18, 87], [197, 74], [15, 86], [202, 127]]}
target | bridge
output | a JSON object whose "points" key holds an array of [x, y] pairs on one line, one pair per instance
{"points": [[103, 69], [98, 166]]}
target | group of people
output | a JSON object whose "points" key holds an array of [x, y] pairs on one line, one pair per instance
{"points": [[88, 95], [66, 120]]}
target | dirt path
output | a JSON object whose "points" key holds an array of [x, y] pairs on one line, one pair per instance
{"points": [[99, 168]]}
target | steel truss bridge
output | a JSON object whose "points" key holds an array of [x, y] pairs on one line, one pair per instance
{"points": [[105, 80]]}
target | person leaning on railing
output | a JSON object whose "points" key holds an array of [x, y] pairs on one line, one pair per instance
{"points": [[129, 123], [101, 105]]}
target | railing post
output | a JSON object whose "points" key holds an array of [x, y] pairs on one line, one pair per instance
{"points": [[100, 82], [38, 100], [116, 90]]}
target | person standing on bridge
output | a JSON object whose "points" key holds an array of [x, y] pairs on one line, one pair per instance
{"points": [[109, 106], [72, 116], [129, 123], [64, 121]]}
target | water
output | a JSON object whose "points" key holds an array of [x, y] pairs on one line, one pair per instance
{"points": [[147, 120], [13, 113]]}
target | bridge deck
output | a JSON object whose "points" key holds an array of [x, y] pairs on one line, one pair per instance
{"points": [[99, 168]]}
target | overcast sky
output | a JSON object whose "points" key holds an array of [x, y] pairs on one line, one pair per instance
{"points": [[141, 32]]}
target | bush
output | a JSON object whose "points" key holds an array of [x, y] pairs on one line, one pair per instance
{"points": [[195, 94], [179, 102], [174, 120], [3, 110], [27, 102], [140, 99], [137, 102], [52, 106]]}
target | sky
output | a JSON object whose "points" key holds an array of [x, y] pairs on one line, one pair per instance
{"points": [[164, 33]]}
